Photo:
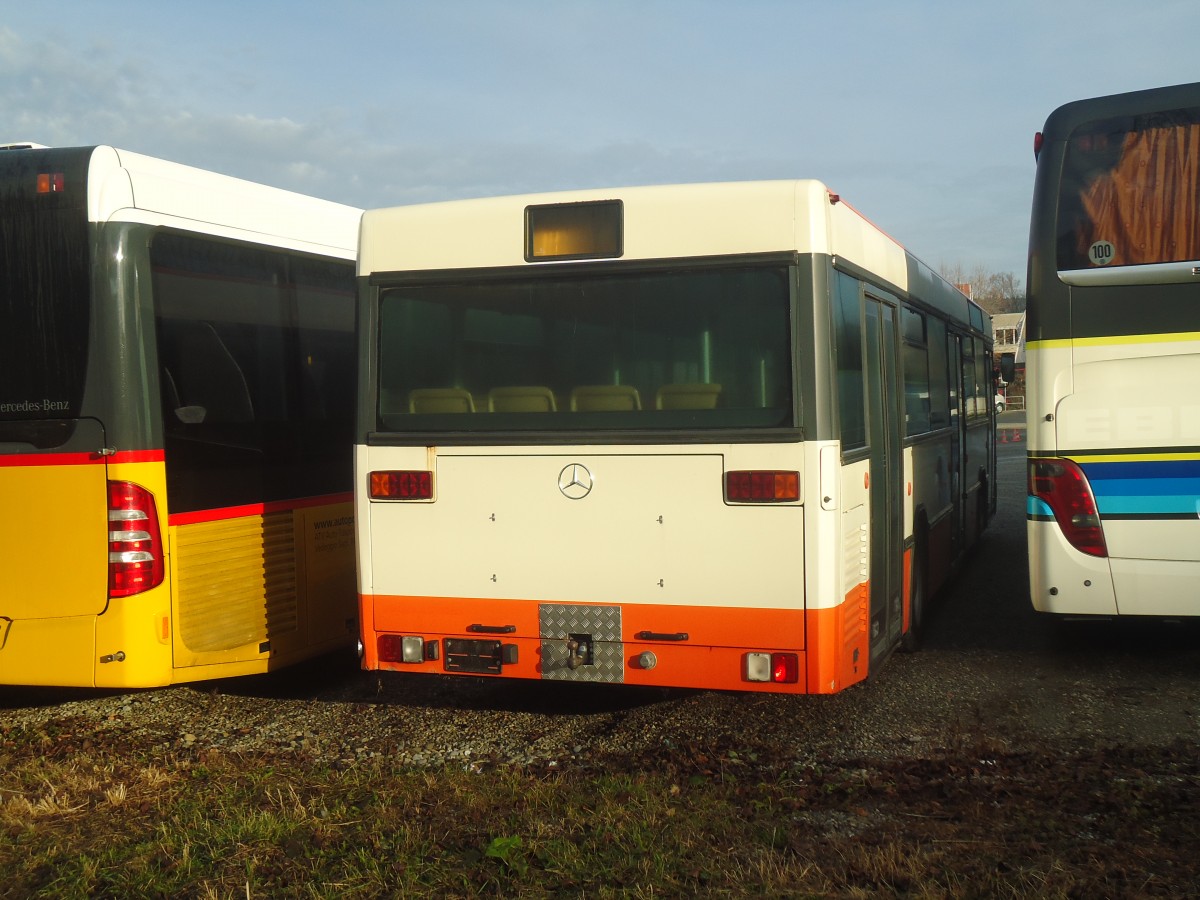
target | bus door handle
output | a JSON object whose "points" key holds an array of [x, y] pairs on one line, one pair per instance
{"points": [[661, 636], [492, 629]]}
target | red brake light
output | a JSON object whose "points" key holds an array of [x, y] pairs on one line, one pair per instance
{"points": [[785, 668], [390, 648], [135, 557], [401, 485], [1062, 486], [1038, 140], [762, 486]]}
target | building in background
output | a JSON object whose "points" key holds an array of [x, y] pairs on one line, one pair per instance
{"points": [[1008, 334]]}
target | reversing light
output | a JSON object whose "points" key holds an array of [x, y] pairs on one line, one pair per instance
{"points": [[757, 667], [135, 559], [403, 485], [762, 486], [1062, 486], [778, 668]]}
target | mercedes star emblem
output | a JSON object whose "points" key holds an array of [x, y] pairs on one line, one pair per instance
{"points": [[575, 481]]}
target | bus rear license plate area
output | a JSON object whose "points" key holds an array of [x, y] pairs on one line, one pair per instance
{"points": [[478, 657]]}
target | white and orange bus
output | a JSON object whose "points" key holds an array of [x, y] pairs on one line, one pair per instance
{"points": [[176, 384], [720, 436]]}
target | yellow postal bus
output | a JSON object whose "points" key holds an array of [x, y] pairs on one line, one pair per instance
{"points": [[176, 382]]}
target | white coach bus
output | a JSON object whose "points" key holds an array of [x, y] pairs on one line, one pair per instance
{"points": [[1114, 357]]}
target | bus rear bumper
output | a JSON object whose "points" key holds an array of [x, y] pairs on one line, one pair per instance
{"points": [[700, 647], [1157, 587], [58, 652]]}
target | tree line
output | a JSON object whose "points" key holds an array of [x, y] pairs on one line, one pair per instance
{"points": [[996, 292]]}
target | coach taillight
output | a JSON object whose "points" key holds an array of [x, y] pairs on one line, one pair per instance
{"points": [[135, 551]]}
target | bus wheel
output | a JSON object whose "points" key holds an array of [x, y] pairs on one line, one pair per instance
{"points": [[918, 602], [981, 507]]}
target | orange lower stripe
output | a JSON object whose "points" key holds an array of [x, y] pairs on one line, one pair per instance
{"points": [[831, 643]]}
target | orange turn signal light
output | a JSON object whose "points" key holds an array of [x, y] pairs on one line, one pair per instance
{"points": [[407, 485], [762, 486]]}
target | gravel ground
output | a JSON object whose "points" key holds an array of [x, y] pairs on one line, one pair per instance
{"points": [[916, 706], [991, 671]]}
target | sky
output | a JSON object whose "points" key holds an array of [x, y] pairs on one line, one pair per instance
{"points": [[921, 113]]}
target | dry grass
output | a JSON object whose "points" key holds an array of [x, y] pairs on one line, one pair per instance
{"points": [[136, 822]]}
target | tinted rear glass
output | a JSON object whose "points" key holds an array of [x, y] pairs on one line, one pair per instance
{"points": [[44, 284], [1131, 191], [671, 349]]}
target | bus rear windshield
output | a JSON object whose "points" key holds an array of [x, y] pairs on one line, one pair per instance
{"points": [[44, 289], [1131, 192], [665, 349]]}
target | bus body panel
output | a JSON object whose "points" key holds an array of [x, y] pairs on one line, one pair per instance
{"points": [[49, 652], [53, 536], [133, 636], [259, 586], [1063, 580], [654, 528], [652, 549], [1164, 588], [123, 642], [727, 593]]}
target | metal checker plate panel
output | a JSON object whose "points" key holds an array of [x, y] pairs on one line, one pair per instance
{"points": [[558, 620]]}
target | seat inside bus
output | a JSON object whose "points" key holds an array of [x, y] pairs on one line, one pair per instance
{"points": [[605, 398]]}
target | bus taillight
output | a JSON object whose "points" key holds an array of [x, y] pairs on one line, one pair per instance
{"points": [[777, 668], [1064, 488], [50, 182], [762, 487], [401, 485], [135, 559]]}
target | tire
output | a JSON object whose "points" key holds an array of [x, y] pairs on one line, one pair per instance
{"points": [[919, 591]]}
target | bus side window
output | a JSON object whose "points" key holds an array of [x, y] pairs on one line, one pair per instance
{"points": [[170, 393], [939, 379], [915, 358], [210, 380], [851, 388]]}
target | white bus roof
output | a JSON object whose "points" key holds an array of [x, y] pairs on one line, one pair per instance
{"points": [[664, 221], [126, 186]]}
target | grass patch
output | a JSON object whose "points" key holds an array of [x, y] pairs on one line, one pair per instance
{"points": [[156, 823]]}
